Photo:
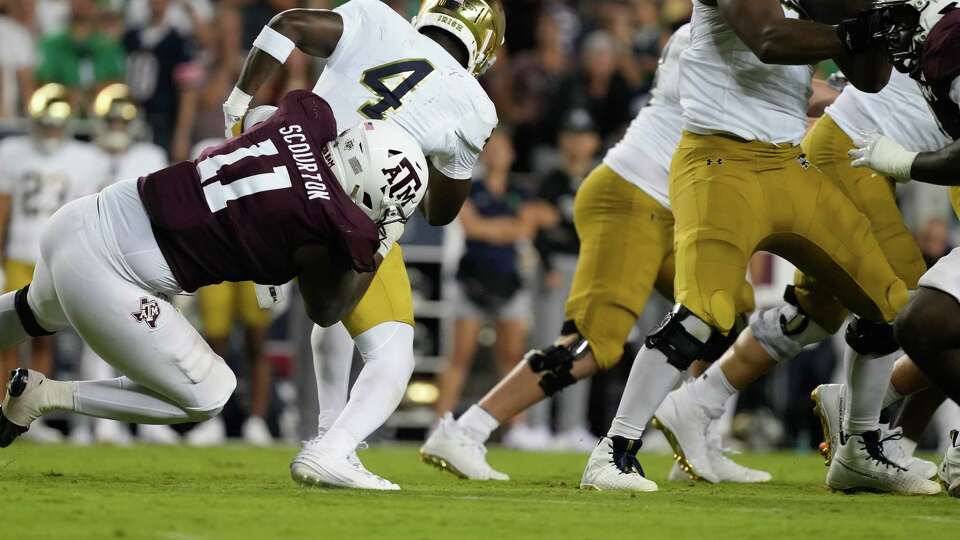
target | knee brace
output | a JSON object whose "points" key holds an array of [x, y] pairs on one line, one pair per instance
{"points": [[27, 319], [719, 343], [556, 361], [871, 337], [683, 338], [784, 331]]}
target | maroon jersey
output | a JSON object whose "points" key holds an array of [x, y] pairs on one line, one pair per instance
{"points": [[241, 210], [939, 66]]}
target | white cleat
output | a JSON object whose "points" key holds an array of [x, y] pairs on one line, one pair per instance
{"points": [[677, 474], [897, 454], [111, 432], [529, 438], [829, 403], [256, 432], [860, 465], [41, 433], [25, 402], [213, 432], [949, 473], [450, 449], [158, 434], [613, 466], [727, 469], [684, 423], [577, 439], [317, 467]]}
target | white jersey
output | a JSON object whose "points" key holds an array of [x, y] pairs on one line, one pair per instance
{"points": [[382, 68], [40, 183], [643, 156], [725, 88], [899, 111], [140, 159]]}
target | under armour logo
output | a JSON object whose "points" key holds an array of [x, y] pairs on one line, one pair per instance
{"points": [[149, 312], [718, 161], [803, 161]]}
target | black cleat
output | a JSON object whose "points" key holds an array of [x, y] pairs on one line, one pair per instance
{"points": [[8, 430]]}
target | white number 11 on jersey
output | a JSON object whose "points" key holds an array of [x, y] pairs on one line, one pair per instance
{"points": [[218, 194]]}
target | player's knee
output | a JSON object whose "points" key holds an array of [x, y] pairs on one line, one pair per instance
{"points": [[783, 331], [554, 364], [212, 393], [684, 337], [871, 337]]}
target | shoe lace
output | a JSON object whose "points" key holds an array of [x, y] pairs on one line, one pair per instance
{"points": [[875, 450], [625, 462]]}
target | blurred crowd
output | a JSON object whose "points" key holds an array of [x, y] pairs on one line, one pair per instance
{"points": [[572, 76]]}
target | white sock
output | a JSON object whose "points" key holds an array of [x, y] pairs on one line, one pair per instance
{"points": [[713, 390], [891, 397], [11, 331], [868, 378], [651, 379], [477, 423], [124, 400], [332, 359], [387, 351]]}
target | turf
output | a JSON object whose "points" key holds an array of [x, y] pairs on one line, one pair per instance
{"points": [[238, 493]]}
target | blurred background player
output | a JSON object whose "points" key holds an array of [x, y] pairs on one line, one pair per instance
{"points": [[495, 218], [119, 130], [558, 246], [39, 173]]}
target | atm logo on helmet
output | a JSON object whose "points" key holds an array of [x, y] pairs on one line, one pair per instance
{"points": [[403, 182]]}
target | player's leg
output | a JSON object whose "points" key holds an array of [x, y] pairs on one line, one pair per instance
{"points": [[382, 326], [713, 243], [256, 322], [626, 238], [450, 380], [18, 275], [218, 309]]}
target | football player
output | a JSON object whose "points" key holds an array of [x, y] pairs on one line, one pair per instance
{"points": [[422, 77], [739, 181], [811, 313], [39, 173], [287, 199], [622, 216], [921, 40]]}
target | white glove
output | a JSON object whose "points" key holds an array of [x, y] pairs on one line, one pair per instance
{"points": [[884, 155], [391, 233], [234, 109]]}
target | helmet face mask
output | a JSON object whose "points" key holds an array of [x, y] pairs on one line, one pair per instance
{"points": [[907, 23], [479, 24], [381, 168]]}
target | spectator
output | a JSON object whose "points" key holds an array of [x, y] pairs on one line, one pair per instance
{"points": [[933, 237], [558, 246], [82, 57], [495, 218], [163, 80], [17, 57]]}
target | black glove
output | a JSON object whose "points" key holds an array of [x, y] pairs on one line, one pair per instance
{"points": [[859, 33]]}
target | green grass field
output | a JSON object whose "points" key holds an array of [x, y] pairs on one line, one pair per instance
{"points": [[237, 493]]}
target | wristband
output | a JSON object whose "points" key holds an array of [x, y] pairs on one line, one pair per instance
{"points": [[274, 43], [238, 99]]}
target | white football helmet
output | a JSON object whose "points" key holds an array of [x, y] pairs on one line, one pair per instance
{"points": [[381, 168]]}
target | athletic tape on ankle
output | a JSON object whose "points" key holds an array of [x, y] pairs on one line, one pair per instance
{"points": [[274, 43]]}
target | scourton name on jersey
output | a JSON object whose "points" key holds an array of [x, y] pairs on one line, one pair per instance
{"points": [[241, 210], [383, 63]]}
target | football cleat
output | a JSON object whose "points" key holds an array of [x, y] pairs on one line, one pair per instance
{"points": [[684, 423], [949, 472], [893, 449], [677, 475], [352, 457], [859, 464], [450, 449], [531, 438], [829, 402], [316, 467], [613, 466], [577, 439], [256, 432], [157, 434], [24, 403], [727, 469], [111, 432], [213, 432]]}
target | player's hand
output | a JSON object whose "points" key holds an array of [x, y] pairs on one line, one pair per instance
{"points": [[389, 234], [857, 33], [882, 154], [234, 109]]}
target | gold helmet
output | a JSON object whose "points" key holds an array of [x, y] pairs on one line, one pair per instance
{"points": [[50, 105], [479, 24], [116, 123]]}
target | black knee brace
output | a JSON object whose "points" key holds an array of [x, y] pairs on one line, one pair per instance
{"points": [[27, 319], [719, 343], [871, 337], [682, 348], [555, 363]]}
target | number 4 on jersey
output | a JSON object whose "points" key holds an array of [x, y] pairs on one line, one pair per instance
{"points": [[391, 98]]}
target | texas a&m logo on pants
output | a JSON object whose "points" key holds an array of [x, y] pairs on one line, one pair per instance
{"points": [[149, 312]]}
